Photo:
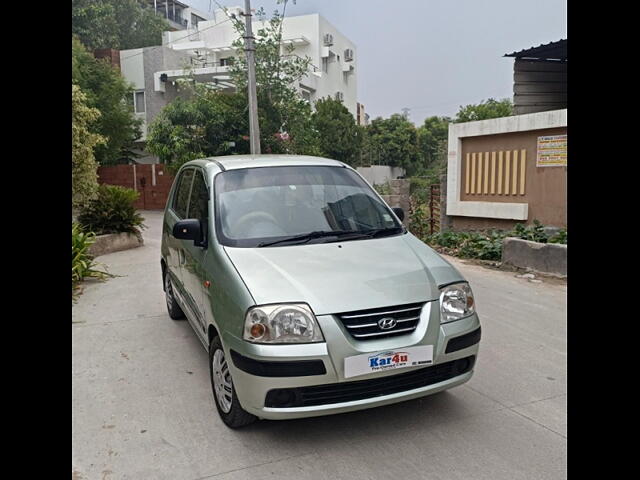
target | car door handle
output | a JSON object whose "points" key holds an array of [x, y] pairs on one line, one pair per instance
{"points": [[181, 257]]}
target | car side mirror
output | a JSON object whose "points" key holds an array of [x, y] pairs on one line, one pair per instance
{"points": [[189, 229], [399, 213]]}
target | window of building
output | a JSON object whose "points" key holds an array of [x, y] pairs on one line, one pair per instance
{"points": [[181, 199], [325, 65], [195, 19], [224, 62], [139, 101]]}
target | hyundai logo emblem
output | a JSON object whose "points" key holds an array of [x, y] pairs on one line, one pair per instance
{"points": [[387, 323]]}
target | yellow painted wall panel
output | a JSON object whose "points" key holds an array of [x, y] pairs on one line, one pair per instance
{"points": [[485, 187], [467, 173], [523, 169], [500, 154], [493, 173], [473, 173], [514, 183], [479, 186], [507, 170]]}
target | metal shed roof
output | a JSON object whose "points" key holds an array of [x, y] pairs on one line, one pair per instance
{"points": [[550, 52]]}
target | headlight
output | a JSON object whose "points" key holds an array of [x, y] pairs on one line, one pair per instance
{"points": [[285, 323], [456, 302]]}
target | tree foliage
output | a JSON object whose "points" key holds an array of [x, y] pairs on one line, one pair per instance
{"points": [[338, 135], [107, 91], [276, 71], [119, 24], [484, 110], [432, 140], [211, 123], [393, 141], [84, 179]]}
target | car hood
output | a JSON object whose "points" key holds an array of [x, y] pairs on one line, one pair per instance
{"points": [[344, 276]]}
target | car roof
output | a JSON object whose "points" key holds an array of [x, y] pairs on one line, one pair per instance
{"points": [[235, 162]]}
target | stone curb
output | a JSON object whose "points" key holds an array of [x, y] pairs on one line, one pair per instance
{"points": [[115, 242], [541, 257]]}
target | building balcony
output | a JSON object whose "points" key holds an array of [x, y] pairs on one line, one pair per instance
{"points": [[296, 41], [205, 72], [175, 20]]}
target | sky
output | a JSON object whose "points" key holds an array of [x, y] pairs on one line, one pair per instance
{"points": [[430, 56]]}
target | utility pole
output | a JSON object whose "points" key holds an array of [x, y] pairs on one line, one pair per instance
{"points": [[249, 48]]}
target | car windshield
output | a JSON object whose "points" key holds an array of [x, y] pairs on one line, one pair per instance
{"points": [[266, 206]]}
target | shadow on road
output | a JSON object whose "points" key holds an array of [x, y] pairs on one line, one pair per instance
{"points": [[418, 413]]}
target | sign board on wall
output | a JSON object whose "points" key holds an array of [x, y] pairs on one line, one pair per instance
{"points": [[552, 151]]}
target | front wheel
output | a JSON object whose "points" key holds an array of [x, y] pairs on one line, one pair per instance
{"points": [[224, 394]]}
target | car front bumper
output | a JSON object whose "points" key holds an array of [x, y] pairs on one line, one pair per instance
{"points": [[252, 388]]}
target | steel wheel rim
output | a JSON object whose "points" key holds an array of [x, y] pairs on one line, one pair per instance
{"points": [[168, 292], [222, 384]]}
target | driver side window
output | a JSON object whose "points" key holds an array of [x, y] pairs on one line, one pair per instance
{"points": [[199, 201], [182, 194]]}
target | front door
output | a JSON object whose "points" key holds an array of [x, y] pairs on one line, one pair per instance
{"points": [[177, 211], [193, 271]]}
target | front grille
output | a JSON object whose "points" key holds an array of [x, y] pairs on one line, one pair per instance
{"points": [[360, 390], [363, 324]]}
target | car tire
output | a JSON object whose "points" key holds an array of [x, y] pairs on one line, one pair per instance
{"points": [[175, 312], [228, 406]]}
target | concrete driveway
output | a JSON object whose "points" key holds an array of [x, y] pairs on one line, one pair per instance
{"points": [[143, 407]]}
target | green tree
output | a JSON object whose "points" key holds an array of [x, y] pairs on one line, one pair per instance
{"points": [[393, 141], [119, 24], [107, 91], [210, 123], [338, 135], [276, 72], [432, 140], [484, 110], [84, 179]]}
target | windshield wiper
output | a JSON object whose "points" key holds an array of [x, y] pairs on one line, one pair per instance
{"points": [[376, 232], [341, 234], [305, 237]]}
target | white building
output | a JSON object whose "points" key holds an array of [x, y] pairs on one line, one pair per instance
{"points": [[204, 51]]}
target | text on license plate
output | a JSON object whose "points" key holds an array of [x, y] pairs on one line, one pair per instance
{"points": [[388, 360]]}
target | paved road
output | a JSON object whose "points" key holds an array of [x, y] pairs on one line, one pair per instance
{"points": [[143, 408]]}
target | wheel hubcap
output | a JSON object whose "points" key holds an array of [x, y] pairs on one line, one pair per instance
{"points": [[222, 384]]}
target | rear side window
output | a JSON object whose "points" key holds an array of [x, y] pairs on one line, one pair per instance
{"points": [[199, 199], [181, 200]]}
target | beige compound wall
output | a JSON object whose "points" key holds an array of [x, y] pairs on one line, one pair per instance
{"points": [[502, 168]]}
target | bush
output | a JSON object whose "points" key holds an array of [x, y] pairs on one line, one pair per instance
{"points": [[560, 237], [534, 233], [418, 218], [487, 245], [383, 188], [112, 211], [82, 265]]}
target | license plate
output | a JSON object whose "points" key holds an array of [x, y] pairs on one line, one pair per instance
{"points": [[388, 360]]}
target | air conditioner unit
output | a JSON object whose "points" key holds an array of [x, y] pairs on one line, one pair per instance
{"points": [[328, 39], [348, 55], [339, 96]]}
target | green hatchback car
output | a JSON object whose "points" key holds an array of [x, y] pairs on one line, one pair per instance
{"points": [[308, 292]]}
